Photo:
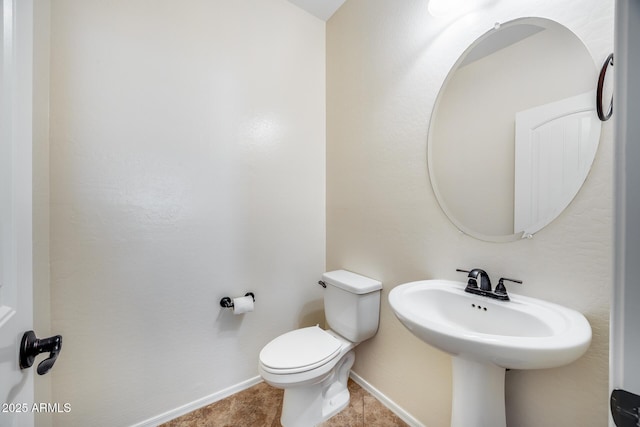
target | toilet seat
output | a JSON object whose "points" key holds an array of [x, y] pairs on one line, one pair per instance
{"points": [[299, 351]]}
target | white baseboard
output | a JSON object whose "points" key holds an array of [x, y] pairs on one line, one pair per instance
{"points": [[197, 404], [390, 404], [212, 398]]}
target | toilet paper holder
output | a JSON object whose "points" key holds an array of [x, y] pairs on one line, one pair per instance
{"points": [[227, 302]]}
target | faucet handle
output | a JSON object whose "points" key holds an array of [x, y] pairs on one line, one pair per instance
{"points": [[500, 289]]}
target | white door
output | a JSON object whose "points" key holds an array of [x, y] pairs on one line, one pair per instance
{"points": [[555, 145], [16, 385], [625, 311]]}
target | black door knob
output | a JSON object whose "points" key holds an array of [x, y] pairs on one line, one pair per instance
{"points": [[31, 346]]}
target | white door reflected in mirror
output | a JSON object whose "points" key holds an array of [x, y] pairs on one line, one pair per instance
{"points": [[555, 147]]}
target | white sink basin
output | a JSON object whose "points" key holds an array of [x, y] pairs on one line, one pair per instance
{"points": [[485, 336], [524, 333]]}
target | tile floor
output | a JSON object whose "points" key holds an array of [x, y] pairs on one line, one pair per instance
{"points": [[259, 406]]}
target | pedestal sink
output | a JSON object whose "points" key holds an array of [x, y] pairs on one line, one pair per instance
{"points": [[487, 336]]}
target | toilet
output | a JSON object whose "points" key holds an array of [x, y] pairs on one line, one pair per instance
{"points": [[312, 365]]}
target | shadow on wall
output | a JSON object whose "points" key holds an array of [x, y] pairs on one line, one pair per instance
{"points": [[312, 313], [228, 321]]}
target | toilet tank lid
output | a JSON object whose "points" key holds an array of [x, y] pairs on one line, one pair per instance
{"points": [[351, 282]]}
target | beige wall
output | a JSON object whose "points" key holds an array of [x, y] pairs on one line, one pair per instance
{"points": [[187, 164], [41, 270], [385, 64]]}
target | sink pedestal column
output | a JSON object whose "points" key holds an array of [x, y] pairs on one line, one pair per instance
{"points": [[478, 394]]}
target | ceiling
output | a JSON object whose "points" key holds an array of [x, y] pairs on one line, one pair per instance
{"points": [[322, 9]]}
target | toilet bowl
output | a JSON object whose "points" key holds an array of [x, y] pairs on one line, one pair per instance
{"points": [[312, 365], [313, 373]]}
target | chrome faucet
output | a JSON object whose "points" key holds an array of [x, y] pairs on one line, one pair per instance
{"points": [[474, 275], [485, 282], [484, 289]]}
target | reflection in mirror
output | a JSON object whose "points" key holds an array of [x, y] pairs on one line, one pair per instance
{"points": [[514, 131]]}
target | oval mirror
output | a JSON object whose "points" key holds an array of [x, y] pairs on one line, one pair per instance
{"points": [[514, 130]]}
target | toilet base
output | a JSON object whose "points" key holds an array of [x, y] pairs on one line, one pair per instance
{"points": [[310, 405]]}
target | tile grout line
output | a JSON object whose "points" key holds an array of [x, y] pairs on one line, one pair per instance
{"points": [[363, 413]]}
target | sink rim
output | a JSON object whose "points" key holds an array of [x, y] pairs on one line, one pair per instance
{"points": [[570, 340]]}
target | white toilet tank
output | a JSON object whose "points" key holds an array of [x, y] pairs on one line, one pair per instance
{"points": [[352, 304]]}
